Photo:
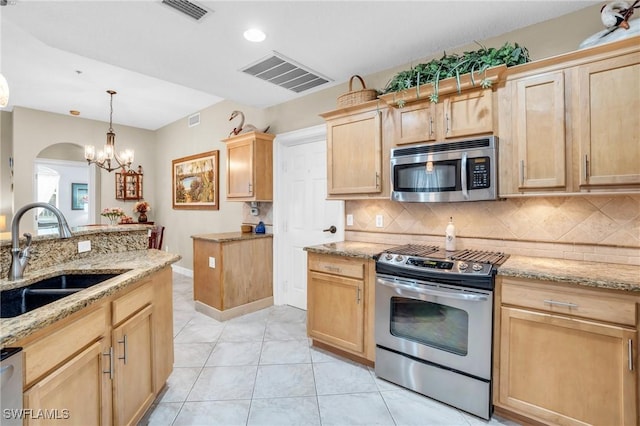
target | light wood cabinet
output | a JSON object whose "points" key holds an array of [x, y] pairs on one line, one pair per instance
{"points": [[340, 303], [232, 276], [250, 167], [539, 124], [564, 123], [607, 130], [133, 371], [357, 152], [567, 355], [81, 376], [466, 114], [106, 363]]}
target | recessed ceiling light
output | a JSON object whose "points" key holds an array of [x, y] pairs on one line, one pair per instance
{"points": [[255, 35], [74, 112]]}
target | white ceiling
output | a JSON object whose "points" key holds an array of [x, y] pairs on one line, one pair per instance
{"points": [[165, 66]]}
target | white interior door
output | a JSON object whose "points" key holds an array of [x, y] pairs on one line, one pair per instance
{"points": [[302, 212]]}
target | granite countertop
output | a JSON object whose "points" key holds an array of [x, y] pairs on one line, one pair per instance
{"points": [[350, 249], [5, 237], [134, 265], [230, 236], [591, 274]]}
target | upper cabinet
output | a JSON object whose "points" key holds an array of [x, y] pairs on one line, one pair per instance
{"points": [[565, 123], [607, 133], [357, 151], [250, 167], [465, 114]]}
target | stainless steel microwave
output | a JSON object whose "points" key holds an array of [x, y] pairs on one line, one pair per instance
{"points": [[465, 170]]}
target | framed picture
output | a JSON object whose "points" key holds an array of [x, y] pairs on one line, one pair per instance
{"points": [[79, 196], [195, 181]]}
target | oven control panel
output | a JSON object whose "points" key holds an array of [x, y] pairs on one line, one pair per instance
{"points": [[436, 265]]}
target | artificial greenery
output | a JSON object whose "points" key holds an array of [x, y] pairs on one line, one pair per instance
{"points": [[456, 65]]}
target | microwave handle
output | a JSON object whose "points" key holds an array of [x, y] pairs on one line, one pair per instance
{"points": [[463, 176]]}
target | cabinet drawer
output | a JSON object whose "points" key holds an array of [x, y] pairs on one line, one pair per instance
{"points": [[583, 303], [131, 303], [50, 351], [336, 266]]}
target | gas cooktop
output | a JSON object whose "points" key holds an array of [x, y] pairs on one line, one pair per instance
{"points": [[418, 257]]}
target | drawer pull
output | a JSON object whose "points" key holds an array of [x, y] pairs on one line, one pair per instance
{"points": [[332, 268], [630, 355], [110, 355], [124, 342], [563, 304]]}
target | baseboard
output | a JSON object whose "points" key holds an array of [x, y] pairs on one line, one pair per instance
{"points": [[233, 312], [182, 271]]}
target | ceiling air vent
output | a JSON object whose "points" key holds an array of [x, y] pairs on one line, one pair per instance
{"points": [[188, 8], [284, 72], [194, 119]]}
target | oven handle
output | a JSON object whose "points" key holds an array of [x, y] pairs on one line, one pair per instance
{"points": [[463, 176], [429, 292]]}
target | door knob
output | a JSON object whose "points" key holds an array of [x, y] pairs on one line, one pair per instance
{"points": [[331, 229]]}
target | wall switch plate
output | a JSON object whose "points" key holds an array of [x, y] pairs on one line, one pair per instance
{"points": [[212, 262], [349, 220], [84, 246], [379, 221]]}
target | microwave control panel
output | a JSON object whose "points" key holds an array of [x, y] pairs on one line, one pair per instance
{"points": [[479, 172]]}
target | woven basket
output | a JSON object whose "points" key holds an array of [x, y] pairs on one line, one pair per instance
{"points": [[355, 97]]}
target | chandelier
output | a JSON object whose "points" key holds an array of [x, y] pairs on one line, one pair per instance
{"points": [[108, 158]]}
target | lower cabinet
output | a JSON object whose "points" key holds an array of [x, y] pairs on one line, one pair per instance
{"points": [[567, 357], [104, 364], [81, 377], [340, 303]]}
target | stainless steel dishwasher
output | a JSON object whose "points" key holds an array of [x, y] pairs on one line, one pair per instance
{"points": [[11, 386]]}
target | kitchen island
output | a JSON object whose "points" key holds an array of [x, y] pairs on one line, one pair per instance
{"points": [[102, 354]]}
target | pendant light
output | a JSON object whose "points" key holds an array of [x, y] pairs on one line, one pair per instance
{"points": [[105, 157]]}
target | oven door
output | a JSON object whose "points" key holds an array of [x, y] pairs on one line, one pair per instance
{"points": [[447, 325]]}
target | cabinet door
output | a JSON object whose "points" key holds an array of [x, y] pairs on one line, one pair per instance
{"points": [[240, 169], [468, 114], [354, 154], [539, 134], [415, 123], [133, 381], [567, 371], [78, 392], [608, 126], [335, 311]]}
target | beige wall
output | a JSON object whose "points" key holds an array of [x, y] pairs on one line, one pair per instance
{"points": [[178, 140], [6, 147], [34, 131]]}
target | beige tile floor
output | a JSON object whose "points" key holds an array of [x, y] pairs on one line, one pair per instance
{"points": [[259, 369]]}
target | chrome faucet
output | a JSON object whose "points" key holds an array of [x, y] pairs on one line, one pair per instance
{"points": [[19, 258]]}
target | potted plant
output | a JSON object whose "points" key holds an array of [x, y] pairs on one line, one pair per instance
{"points": [[481, 67]]}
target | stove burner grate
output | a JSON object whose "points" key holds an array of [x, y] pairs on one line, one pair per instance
{"points": [[416, 250], [480, 256]]}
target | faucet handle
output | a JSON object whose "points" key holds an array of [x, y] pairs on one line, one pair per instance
{"points": [[24, 254]]}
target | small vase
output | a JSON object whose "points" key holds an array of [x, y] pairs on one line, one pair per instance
{"points": [[142, 218], [112, 220]]}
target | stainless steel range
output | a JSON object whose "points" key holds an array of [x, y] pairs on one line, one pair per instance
{"points": [[434, 323]]}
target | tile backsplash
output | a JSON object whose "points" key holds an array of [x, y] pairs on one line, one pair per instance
{"points": [[265, 214], [573, 227]]}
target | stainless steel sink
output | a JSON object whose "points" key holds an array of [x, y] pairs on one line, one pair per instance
{"points": [[21, 300]]}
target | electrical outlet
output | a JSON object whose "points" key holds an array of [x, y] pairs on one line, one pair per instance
{"points": [[84, 246], [379, 221], [349, 220], [212, 262]]}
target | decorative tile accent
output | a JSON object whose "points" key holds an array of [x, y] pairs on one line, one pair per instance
{"points": [[568, 221]]}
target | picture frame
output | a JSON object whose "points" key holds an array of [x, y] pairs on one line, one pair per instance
{"points": [[195, 181], [79, 195]]}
